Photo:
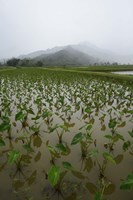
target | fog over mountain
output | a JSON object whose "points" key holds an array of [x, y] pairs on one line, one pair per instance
{"points": [[30, 25], [83, 53]]}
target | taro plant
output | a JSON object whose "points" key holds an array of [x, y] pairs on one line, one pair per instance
{"points": [[127, 184]]}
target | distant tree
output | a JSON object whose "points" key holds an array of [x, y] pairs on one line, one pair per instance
{"points": [[39, 64], [13, 62], [24, 62], [115, 63]]}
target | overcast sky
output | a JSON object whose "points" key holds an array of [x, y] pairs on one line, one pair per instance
{"points": [[30, 25]]}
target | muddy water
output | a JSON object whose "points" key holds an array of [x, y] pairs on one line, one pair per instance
{"points": [[92, 102]]}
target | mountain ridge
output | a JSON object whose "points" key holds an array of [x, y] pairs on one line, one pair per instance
{"points": [[94, 53]]}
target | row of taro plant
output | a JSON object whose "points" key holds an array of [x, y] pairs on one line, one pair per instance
{"points": [[72, 126]]}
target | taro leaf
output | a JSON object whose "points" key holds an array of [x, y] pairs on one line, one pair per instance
{"points": [[26, 158], [14, 124], [67, 165], [130, 133], [61, 148], [46, 114], [77, 138], [2, 143], [118, 136], [13, 156], [5, 126], [32, 178], [128, 183], [92, 121], [54, 175], [53, 151], [20, 115], [118, 159], [28, 147], [89, 127], [97, 196], [30, 111], [68, 125], [91, 187], [103, 128], [38, 156], [112, 123], [109, 137], [35, 129], [18, 184], [62, 175], [36, 118], [108, 157], [93, 153], [78, 174], [122, 125], [64, 127], [52, 129], [126, 145], [109, 189], [37, 141], [5, 119], [88, 110], [88, 165]]}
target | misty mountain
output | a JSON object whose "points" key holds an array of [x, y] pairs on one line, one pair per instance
{"points": [[66, 56], [103, 55], [41, 52], [83, 53]]}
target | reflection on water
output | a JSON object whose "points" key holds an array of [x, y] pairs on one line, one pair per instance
{"points": [[124, 72], [75, 122]]}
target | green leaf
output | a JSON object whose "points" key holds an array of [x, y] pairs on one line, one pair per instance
{"points": [[122, 125], [52, 129], [109, 189], [78, 174], [2, 143], [61, 147], [112, 123], [131, 133], [97, 196], [5, 126], [128, 183], [103, 128], [88, 110], [108, 157], [77, 138], [37, 141], [91, 187], [67, 165], [118, 159], [37, 157], [13, 156], [93, 153], [89, 127], [54, 175], [118, 136], [108, 137], [32, 178], [126, 145], [20, 115], [88, 165], [28, 147]]}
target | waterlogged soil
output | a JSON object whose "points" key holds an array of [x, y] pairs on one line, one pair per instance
{"points": [[78, 125]]}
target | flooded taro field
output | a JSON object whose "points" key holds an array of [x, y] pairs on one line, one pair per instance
{"points": [[65, 135]]}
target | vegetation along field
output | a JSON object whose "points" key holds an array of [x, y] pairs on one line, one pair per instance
{"points": [[65, 135]]}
